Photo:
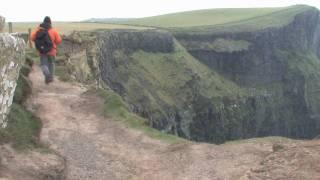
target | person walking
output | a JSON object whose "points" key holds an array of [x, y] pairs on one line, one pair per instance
{"points": [[46, 40]]}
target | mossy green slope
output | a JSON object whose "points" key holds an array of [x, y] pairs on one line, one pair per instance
{"points": [[158, 80], [115, 108], [160, 83], [168, 74]]}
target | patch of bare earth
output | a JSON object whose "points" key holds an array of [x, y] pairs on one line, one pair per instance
{"points": [[31, 165], [99, 148]]}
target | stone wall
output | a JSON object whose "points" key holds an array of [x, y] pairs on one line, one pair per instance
{"points": [[11, 56], [2, 23]]}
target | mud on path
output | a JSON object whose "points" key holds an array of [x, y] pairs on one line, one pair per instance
{"points": [[99, 148]]}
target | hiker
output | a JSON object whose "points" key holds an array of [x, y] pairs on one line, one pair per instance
{"points": [[46, 40]]}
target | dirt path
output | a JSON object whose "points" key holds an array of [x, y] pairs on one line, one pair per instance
{"points": [[98, 148]]}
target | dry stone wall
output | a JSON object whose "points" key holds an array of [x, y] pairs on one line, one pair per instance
{"points": [[2, 23], [12, 51]]}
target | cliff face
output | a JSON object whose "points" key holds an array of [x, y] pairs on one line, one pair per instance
{"points": [[254, 58], [234, 85], [157, 77], [12, 54], [279, 67]]}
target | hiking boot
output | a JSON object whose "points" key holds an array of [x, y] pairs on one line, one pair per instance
{"points": [[48, 80]]}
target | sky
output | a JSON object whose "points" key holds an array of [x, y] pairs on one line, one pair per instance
{"points": [[77, 10]]}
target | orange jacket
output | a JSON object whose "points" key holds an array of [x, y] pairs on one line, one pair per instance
{"points": [[55, 38]]}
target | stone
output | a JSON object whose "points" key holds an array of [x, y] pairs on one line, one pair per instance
{"points": [[12, 50], [2, 23]]}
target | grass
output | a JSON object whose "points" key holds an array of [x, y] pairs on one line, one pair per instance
{"points": [[217, 20], [33, 55], [22, 130], [117, 109], [166, 85], [219, 45], [305, 66], [162, 83], [202, 17], [68, 27], [273, 20], [23, 127], [62, 72], [170, 72], [271, 139], [222, 20]]}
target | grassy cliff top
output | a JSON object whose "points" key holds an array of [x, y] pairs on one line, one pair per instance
{"points": [[217, 19], [68, 27]]}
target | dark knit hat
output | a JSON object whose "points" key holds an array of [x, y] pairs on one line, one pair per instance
{"points": [[47, 20]]}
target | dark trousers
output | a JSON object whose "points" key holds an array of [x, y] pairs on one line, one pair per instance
{"points": [[47, 66]]}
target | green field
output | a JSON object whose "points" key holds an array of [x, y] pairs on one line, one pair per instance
{"points": [[202, 17], [276, 19], [199, 21], [222, 20], [67, 27]]}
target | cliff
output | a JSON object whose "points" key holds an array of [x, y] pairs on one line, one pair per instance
{"points": [[212, 84], [279, 63]]}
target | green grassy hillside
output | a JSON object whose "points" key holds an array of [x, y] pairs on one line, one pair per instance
{"points": [[275, 19], [68, 27], [233, 19], [202, 17]]}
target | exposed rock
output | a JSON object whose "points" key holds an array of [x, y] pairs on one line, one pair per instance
{"points": [[132, 40], [78, 53], [12, 55]]}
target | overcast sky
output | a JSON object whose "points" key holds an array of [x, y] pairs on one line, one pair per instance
{"points": [[75, 10]]}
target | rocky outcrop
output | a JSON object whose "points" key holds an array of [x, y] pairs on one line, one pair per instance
{"points": [[12, 56], [77, 53]]}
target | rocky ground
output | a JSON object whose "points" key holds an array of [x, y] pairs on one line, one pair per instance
{"points": [[99, 148], [30, 165]]}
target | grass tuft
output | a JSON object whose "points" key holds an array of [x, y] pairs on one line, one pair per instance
{"points": [[22, 130]]}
